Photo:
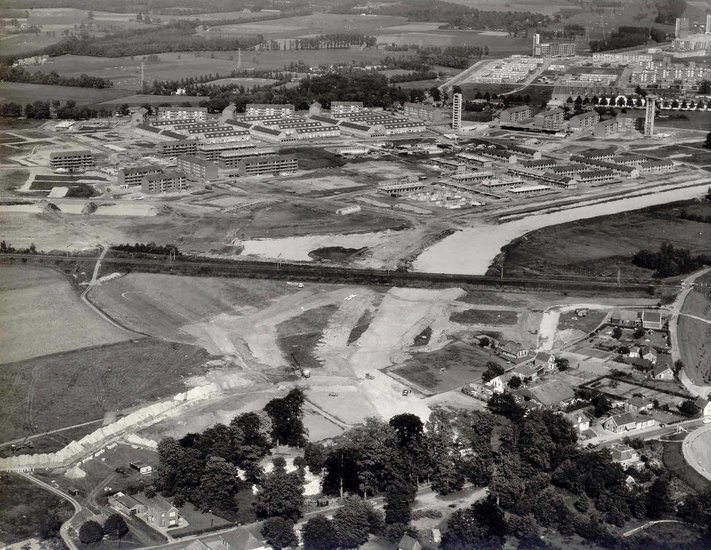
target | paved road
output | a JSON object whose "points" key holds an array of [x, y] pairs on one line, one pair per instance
{"points": [[64, 530], [58, 430], [676, 308], [697, 450], [649, 524]]}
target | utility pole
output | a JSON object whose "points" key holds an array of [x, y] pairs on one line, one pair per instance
{"points": [[142, 74]]}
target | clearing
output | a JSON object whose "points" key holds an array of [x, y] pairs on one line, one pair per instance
{"points": [[42, 314], [695, 335], [66, 389]]}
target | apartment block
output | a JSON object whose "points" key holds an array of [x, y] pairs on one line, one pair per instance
{"points": [[71, 160]]}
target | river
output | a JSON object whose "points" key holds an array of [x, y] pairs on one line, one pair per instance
{"points": [[471, 251]]}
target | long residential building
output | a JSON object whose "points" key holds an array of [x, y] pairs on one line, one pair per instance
{"points": [[71, 160], [422, 111], [515, 114], [196, 168], [550, 120], [133, 175], [268, 110], [179, 147], [164, 182], [345, 107], [231, 159], [212, 151], [584, 120], [182, 113], [271, 164]]}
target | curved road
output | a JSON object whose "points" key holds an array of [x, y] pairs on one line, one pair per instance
{"points": [[697, 450], [64, 530]]}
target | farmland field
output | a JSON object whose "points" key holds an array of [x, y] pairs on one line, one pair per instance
{"points": [[695, 335], [27, 93], [41, 314], [484, 317], [70, 388]]}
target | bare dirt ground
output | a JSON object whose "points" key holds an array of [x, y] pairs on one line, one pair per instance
{"points": [[41, 314]]}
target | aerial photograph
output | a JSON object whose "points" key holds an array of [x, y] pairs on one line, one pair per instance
{"points": [[339, 274]]}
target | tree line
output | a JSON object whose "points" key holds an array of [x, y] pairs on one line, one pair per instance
{"points": [[321, 42], [42, 110], [628, 37], [670, 261], [20, 74]]}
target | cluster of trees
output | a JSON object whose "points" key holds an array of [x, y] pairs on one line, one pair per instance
{"points": [[157, 6], [339, 41], [670, 261], [6, 248], [9, 73], [684, 215], [669, 10], [458, 57], [92, 531], [349, 528], [203, 468], [540, 479], [567, 32], [413, 76], [41, 110], [456, 16], [149, 248], [627, 37], [196, 85]]}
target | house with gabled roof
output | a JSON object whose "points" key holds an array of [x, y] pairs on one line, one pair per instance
{"points": [[545, 360], [662, 372], [652, 319], [619, 423]]}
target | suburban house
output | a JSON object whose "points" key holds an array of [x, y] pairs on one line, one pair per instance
{"points": [[625, 455], [619, 423], [638, 404], [545, 360], [652, 319], [641, 422], [142, 467], [551, 394], [579, 420], [648, 354], [409, 543], [662, 372], [156, 512], [512, 350], [528, 370], [478, 391], [703, 406], [624, 318], [634, 352], [497, 384]]}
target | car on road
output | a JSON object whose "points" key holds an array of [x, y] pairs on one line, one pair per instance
{"points": [[406, 392], [370, 376], [333, 394], [707, 421]]}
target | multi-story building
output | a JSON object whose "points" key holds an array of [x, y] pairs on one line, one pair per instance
{"points": [[422, 111], [345, 107], [270, 164], [584, 120], [133, 175], [231, 159], [268, 110], [550, 120], [212, 151], [164, 182], [178, 113], [196, 168], [552, 49], [71, 160], [515, 114], [622, 58], [178, 147], [457, 112]]}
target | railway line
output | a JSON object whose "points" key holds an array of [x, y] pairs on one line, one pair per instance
{"points": [[199, 266]]}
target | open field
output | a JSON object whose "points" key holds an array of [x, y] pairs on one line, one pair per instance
{"points": [[27, 93], [695, 336], [125, 72], [70, 388], [41, 314], [602, 245], [12, 179], [484, 317], [448, 368], [162, 305], [570, 320], [24, 507]]}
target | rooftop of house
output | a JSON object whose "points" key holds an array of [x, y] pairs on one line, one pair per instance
{"points": [[623, 419], [550, 392], [651, 315], [659, 369]]}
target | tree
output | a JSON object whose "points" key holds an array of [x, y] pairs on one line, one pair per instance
{"points": [[515, 382], [705, 87], [659, 501], [91, 532], [286, 415], [562, 363], [50, 527], [687, 408], [281, 495], [707, 143], [115, 526], [315, 456], [481, 526], [320, 534], [639, 333], [351, 524], [279, 533], [493, 370], [436, 94], [408, 428], [617, 333], [218, 485], [398, 502], [505, 405]]}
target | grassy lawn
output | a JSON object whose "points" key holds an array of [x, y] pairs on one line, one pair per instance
{"points": [[25, 506], [298, 336], [70, 388], [12, 179], [448, 368], [484, 317], [569, 320]]}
